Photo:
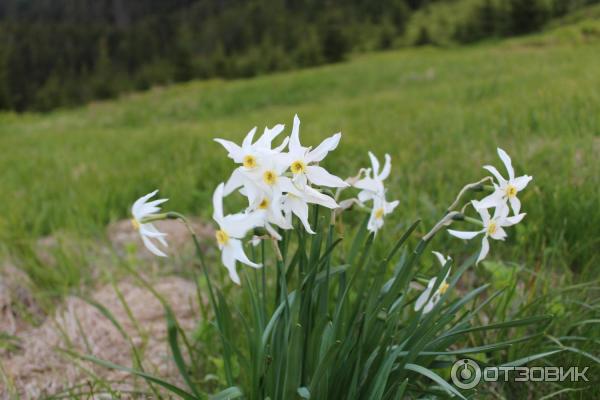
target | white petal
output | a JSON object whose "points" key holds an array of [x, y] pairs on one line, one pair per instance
{"points": [[485, 248], [237, 225], [521, 182], [313, 196], [510, 221], [387, 167], [322, 149], [295, 145], [152, 247], [492, 200], [233, 150], [238, 253], [228, 260], [507, 163], [495, 172], [440, 257], [499, 234], [515, 204], [365, 195], [300, 209], [247, 143], [272, 232], [483, 212], [150, 231], [264, 142], [139, 203], [319, 176], [375, 164], [218, 204], [280, 148], [464, 234], [369, 184], [423, 297], [389, 207], [236, 180]]}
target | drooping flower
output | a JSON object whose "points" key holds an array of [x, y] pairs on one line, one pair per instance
{"points": [[426, 300], [380, 209], [143, 210], [505, 190], [232, 228], [492, 227], [301, 160]]}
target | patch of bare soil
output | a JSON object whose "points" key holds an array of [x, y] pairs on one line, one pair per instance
{"points": [[39, 369]]}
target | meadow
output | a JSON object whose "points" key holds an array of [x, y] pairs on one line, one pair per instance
{"points": [[440, 114]]}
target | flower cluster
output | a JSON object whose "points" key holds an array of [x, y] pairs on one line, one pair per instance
{"points": [[505, 193], [278, 182]]}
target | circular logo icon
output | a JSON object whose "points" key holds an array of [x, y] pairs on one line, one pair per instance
{"points": [[465, 374]]}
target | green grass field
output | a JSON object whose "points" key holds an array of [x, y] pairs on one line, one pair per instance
{"points": [[440, 113]]}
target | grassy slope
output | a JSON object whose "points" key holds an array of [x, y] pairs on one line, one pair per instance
{"points": [[439, 113]]}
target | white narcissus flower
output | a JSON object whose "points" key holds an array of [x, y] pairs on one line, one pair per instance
{"points": [[492, 227], [248, 153], [428, 300], [381, 208], [505, 190], [141, 210], [232, 228], [300, 160], [372, 186]]}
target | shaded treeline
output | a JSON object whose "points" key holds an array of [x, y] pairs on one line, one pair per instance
{"points": [[65, 52]]}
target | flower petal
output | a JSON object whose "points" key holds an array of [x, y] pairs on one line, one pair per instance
{"points": [[238, 253], [233, 150], [485, 248], [152, 247], [521, 182], [492, 200], [495, 172], [319, 176], [247, 143], [295, 145], [424, 296], [515, 204], [322, 149], [440, 257], [510, 221], [375, 164], [464, 234], [237, 225], [387, 167], [507, 163], [139, 203], [228, 260], [218, 203]]}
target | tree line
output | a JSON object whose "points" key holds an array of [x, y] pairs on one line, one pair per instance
{"points": [[57, 53]]}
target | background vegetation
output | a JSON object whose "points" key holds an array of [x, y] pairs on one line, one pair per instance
{"points": [[61, 52]]}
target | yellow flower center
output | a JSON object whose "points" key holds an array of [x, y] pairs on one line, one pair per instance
{"points": [[135, 223], [270, 177], [443, 287], [492, 227], [379, 213], [511, 191], [249, 161], [298, 167], [264, 204], [222, 237]]}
